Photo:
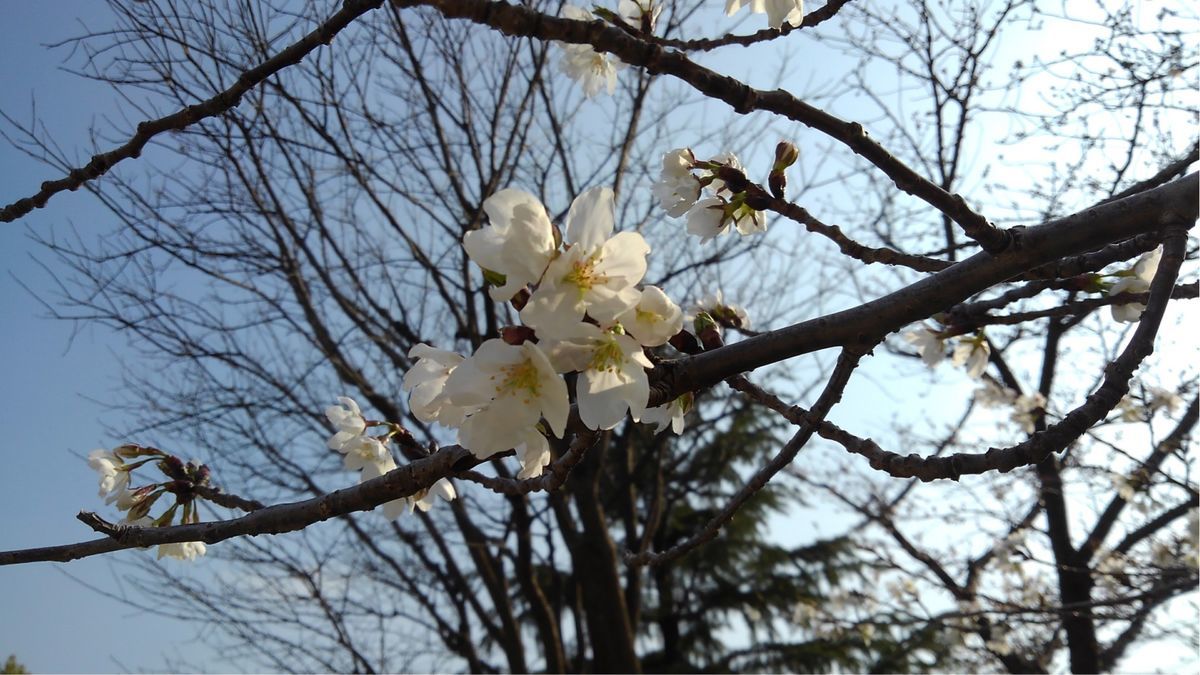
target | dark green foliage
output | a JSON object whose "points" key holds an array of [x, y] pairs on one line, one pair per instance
{"points": [[13, 667]]}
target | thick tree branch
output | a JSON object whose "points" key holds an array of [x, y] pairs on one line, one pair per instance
{"points": [[1172, 204]]}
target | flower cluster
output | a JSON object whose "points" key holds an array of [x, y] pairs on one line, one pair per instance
{"points": [[971, 352], [732, 202], [583, 312], [370, 454], [182, 480]]}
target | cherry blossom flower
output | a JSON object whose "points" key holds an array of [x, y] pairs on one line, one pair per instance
{"points": [[597, 274], [425, 382], [712, 217], [929, 344], [972, 353], [422, 500], [186, 550], [777, 11], [348, 420], [114, 476], [669, 414], [707, 219], [1135, 280], [593, 70], [534, 454], [369, 455], [654, 320], [506, 389], [677, 189], [640, 13], [517, 243], [612, 375]]}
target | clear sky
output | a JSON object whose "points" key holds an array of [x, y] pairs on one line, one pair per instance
{"points": [[53, 378]]}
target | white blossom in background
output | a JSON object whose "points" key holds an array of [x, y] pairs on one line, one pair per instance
{"points": [[654, 320], [994, 395], [507, 388], [677, 189], [1157, 398], [1025, 409], [1130, 408], [1163, 399], [928, 343], [1124, 486], [612, 376], [114, 477], [593, 70], [348, 420], [186, 550], [972, 353], [518, 242], [1111, 570], [777, 11], [1135, 280], [597, 274], [425, 382]]}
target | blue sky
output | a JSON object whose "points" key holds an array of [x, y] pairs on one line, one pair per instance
{"points": [[53, 378]]}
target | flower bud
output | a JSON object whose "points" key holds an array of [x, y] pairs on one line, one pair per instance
{"points": [[142, 503], [708, 332], [172, 467], [786, 155]]}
